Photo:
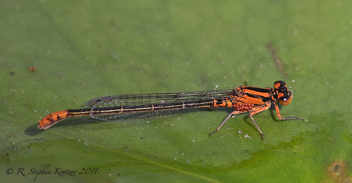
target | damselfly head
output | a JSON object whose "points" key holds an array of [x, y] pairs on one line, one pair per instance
{"points": [[283, 94]]}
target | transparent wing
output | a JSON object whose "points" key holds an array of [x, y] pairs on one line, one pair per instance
{"points": [[155, 99]]}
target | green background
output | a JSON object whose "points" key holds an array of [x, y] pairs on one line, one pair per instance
{"points": [[86, 49]]}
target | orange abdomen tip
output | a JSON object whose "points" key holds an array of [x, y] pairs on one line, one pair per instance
{"points": [[52, 119]]}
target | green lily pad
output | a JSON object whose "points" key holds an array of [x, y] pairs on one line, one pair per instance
{"points": [[86, 49]]}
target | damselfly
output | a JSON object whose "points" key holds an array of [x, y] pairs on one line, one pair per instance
{"points": [[243, 99]]}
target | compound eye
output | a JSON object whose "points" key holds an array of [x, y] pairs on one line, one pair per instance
{"points": [[285, 99]]}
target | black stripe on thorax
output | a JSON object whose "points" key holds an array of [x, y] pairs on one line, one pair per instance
{"points": [[264, 99], [262, 90]]}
